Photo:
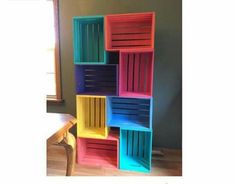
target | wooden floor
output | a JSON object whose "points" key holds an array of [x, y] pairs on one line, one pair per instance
{"points": [[165, 162]]}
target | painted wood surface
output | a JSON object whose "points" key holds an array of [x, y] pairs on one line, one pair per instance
{"points": [[136, 73], [96, 79], [89, 40], [91, 115], [135, 150], [99, 152], [129, 113], [129, 31], [114, 90]]}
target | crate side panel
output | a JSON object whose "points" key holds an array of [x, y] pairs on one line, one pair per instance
{"points": [[79, 79]]}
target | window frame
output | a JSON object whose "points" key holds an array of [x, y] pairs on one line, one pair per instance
{"points": [[57, 62]]}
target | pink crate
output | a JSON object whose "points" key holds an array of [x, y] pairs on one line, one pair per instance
{"points": [[136, 73], [133, 30], [99, 152]]}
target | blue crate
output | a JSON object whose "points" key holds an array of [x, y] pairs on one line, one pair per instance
{"points": [[96, 79], [135, 150], [129, 113], [89, 40]]}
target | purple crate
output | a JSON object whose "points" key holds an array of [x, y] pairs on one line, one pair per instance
{"points": [[96, 79]]}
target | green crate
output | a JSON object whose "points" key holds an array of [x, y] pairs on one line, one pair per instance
{"points": [[89, 40]]}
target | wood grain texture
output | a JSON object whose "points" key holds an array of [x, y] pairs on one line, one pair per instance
{"points": [[165, 162], [61, 123], [69, 143], [58, 125]]}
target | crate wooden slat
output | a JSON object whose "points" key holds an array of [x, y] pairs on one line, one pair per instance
{"points": [[136, 73], [129, 31], [96, 79], [129, 113], [99, 152], [89, 40], [135, 150], [91, 115]]}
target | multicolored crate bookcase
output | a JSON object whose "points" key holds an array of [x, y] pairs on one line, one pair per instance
{"points": [[114, 65]]}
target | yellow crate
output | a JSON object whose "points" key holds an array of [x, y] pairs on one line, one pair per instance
{"points": [[91, 116]]}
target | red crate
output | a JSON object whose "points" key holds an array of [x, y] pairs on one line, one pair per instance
{"points": [[99, 152], [136, 73], [134, 30]]}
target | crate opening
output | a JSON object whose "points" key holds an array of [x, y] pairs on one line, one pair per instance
{"points": [[135, 151], [136, 74], [91, 116], [98, 152], [127, 31], [96, 80], [129, 113], [89, 40]]}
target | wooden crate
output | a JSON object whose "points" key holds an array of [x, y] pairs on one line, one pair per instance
{"points": [[125, 31], [99, 152], [96, 79], [129, 113], [135, 150], [89, 40], [136, 73], [91, 115]]}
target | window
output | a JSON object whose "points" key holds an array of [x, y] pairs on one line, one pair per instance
{"points": [[53, 83]]}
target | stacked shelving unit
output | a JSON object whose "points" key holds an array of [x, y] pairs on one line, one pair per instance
{"points": [[114, 63]]}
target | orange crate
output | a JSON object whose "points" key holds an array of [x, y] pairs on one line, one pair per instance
{"points": [[129, 31]]}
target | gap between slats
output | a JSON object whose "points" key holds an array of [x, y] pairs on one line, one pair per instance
{"points": [[137, 67], [94, 113], [91, 42], [136, 139]]}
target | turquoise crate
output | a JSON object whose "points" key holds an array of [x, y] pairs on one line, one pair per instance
{"points": [[89, 40], [135, 150]]}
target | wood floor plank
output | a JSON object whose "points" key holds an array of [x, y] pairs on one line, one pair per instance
{"points": [[165, 162]]}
